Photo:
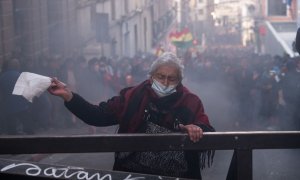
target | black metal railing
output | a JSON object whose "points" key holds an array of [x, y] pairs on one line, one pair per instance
{"points": [[243, 143]]}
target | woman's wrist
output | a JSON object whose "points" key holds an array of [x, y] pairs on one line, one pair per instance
{"points": [[68, 95]]}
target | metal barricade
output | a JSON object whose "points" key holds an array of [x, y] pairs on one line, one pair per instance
{"points": [[243, 143]]}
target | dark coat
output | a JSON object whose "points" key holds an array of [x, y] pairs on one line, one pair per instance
{"points": [[128, 110], [297, 42], [12, 103]]}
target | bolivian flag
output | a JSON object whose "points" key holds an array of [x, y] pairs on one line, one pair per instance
{"points": [[182, 39]]}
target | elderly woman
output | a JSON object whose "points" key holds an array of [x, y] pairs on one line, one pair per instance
{"points": [[159, 104]]}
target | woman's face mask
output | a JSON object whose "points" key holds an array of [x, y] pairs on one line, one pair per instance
{"points": [[162, 90]]}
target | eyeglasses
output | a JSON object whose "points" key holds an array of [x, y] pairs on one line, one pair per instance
{"points": [[161, 77]]}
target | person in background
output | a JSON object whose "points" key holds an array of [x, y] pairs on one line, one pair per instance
{"points": [[17, 110], [289, 96], [289, 8], [160, 103], [106, 73], [67, 73]]}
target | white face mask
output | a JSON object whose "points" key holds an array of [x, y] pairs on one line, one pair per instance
{"points": [[162, 90]]}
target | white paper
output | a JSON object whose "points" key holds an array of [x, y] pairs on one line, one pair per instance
{"points": [[31, 85]]}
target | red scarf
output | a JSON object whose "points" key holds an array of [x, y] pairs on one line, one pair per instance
{"points": [[182, 104]]}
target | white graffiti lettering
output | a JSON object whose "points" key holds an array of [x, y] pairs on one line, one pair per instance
{"points": [[135, 178], [79, 173], [32, 168]]}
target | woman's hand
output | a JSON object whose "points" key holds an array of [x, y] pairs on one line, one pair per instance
{"points": [[195, 132], [58, 88]]}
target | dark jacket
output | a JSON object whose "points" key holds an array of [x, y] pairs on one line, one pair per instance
{"points": [[12, 103], [297, 41]]}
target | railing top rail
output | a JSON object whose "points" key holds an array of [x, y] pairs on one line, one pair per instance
{"points": [[143, 142], [219, 133]]}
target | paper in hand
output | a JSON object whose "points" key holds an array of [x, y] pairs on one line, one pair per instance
{"points": [[31, 85]]}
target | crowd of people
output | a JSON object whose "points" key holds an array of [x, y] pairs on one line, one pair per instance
{"points": [[267, 87], [95, 79]]}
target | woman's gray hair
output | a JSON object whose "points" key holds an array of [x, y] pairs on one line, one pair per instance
{"points": [[167, 58]]}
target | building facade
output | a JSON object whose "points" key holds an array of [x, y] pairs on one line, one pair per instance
{"points": [[33, 28]]}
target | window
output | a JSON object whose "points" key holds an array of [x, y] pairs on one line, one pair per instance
{"points": [[276, 8], [126, 8], [113, 9], [201, 11], [135, 38], [145, 33]]}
